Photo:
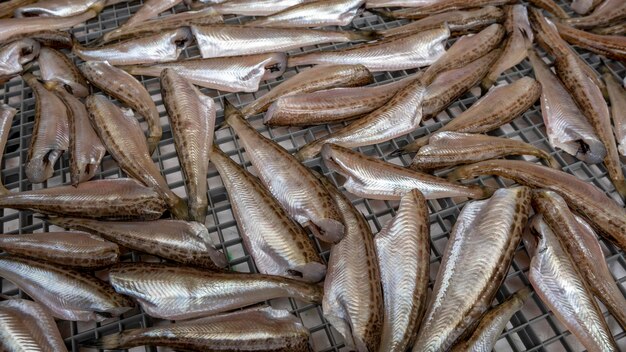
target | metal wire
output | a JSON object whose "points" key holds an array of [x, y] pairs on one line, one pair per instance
{"points": [[534, 328]]}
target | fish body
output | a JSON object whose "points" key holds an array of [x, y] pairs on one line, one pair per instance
{"points": [[613, 46], [609, 12], [398, 3], [15, 55], [617, 96], [255, 7], [57, 8], [56, 67], [8, 7], [441, 6], [7, 114], [616, 29], [583, 7], [150, 9], [552, 7], [47, 37], [319, 13], [27, 326]]}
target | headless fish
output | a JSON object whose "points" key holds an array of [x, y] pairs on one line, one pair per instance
{"points": [[27, 326], [7, 114], [15, 55], [617, 96], [312, 14], [56, 67], [57, 8], [255, 7], [610, 12], [611, 46]]}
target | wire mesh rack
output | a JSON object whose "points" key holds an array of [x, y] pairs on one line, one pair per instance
{"points": [[534, 328]]}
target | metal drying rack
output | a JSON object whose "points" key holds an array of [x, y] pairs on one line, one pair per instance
{"points": [[534, 328]]}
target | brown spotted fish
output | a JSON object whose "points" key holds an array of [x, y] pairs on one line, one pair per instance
{"points": [[611, 46], [57, 67], [15, 56], [439, 7], [617, 97], [608, 13]]}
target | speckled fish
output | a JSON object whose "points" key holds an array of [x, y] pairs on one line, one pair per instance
{"points": [[581, 242], [8, 7], [488, 331], [500, 106], [125, 88], [398, 3], [611, 46], [153, 48], [617, 96], [400, 115], [566, 126], [353, 297], [7, 114], [608, 13], [292, 184], [175, 292], [551, 7], [331, 105], [439, 7], [446, 149], [228, 74], [603, 213], [255, 7], [192, 120], [180, 241], [27, 326], [372, 178], [68, 294], [57, 8], [557, 281], [403, 251], [319, 13], [50, 38], [51, 134], [254, 329], [583, 7], [311, 80], [277, 245], [15, 55], [514, 51], [75, 249], [56, 67], [390, 54], [483, 242], [612, 30]]}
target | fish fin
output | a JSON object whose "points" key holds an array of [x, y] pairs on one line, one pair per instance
{"points": [[105, 342], [360, 35]]}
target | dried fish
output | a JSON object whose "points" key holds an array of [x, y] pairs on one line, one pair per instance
{"points": [[50, 38], [56, 67], [150, 9], [617, 96], [584, 6], [483, 242], [398, 3], [7, 114], [612, 30], [552, 7], [15, 56], [608, 13], [8, 7], [174, 292], [57, 8], [255, 7], [439, 7], [312, 14], [27, 326], [613, 46]]}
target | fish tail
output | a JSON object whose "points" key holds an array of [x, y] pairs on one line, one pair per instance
{"points": [[3, 190], [363, 35], [552, 161], [298, 60], [485, 192], [105, 342]]}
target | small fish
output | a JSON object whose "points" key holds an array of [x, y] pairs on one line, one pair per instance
{"points": [[390, 54], [50, 136], [153, 48], [180, 241], [557, 281], [15, 56], [439, 7], [617, 96], [27, 326], [492, 323], [583, 7], [57, 8], [403, 251], [8, 7], [277, 245], [604, 214], [228, 74], [368, 177], [609, 12], [474, 265], [175, 292], [256, 329], [292, 184], [311, 80], [611, 46], [319, 13], [7, 114], [51, 38], [75, 249], [552, 7], [446, 149], [255, 7], [56, 67], [68, 294]]}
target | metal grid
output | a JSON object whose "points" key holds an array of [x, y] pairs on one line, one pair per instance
{"points": [[532, 329]]}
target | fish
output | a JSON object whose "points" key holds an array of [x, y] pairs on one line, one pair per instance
{"points": [[400, 115], [604, 214], [124, 140], [277, 245], [372, 178], [176, 292], [50, 136], [158, 47], [56, 67], [27, 326], [617, 97], [311, 80], [390, 54], [68, 294], [488, 331], [74, 249], [398, 3], [192, 120], [150, 9], [446, 149], [439, 7], [126, 89], [608, 13], [403, 252], [256, 329], [8, 7], [292, 184], [255, 7], [184, 242], [228, 74], [557, 281], [514, 51], [7, 114], [499, 106], [581, 242], [566, 126], [552, 7], [232, 40], [353, 298], [611, 46], [57, 8], [582, 7], [319, 13], [15, 56], [331, 105], [56, 39], [483, 242], [611, 30]]}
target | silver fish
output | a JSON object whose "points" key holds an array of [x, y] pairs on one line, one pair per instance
{"points": [[27, 326], [50, 136], [174, 292], [150, 9], [319, 13], [368, 177], [277, 245], [611, 30], [582, 7], [7, 114], [559, 284], [255, 7], [192, 120], [608, 13], [228, 74], [57, 8], [68, 294], [390, 54], [56, 67], [15, 55], [483, 242], [403, 251], [617, 97]]}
